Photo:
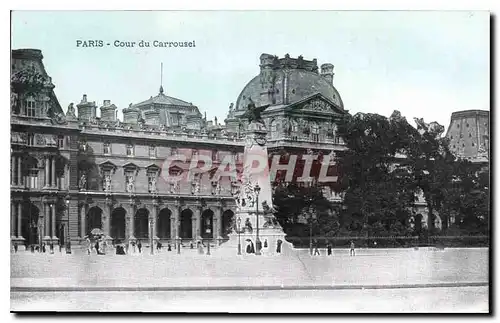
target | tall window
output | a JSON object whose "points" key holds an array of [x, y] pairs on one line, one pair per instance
{"points": [[107, 148], [29, 106], [130, 150], [315, 132], [31, 139], [274, 129], [33, 178], [152, 151], [60, 141], [294, 129]]}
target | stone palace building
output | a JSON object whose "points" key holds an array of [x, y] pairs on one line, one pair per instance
{"points": [[74, 171]]}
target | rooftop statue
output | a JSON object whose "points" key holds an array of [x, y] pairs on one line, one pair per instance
{"points": [[253, 112]]}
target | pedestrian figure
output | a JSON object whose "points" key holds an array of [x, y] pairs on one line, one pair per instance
{"points": [[43, 248], [51, 246], [316, 250], [89, 245], [191, 246], [352, 252], [329, 248], [200, 248], [158, 245], [265, 243], [15, 247], [169, 247], [96, 246], [32, 248], [139, 246]]}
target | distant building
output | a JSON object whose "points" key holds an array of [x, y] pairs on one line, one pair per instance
{"points": [[469, 135]]}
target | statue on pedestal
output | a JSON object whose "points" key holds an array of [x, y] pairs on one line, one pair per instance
{"points": [[130, 184], [253, 113], [83, 182], [107, 183]]}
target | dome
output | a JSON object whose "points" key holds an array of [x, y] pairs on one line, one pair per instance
{"points": [[274, 86]]}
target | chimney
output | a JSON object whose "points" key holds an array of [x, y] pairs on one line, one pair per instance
{"points": [[108, 111], [86, 110]]}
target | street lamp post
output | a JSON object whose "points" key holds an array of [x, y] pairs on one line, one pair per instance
{"points": [[151, 242], [239, 235], [310, 231], [66, 225], [257, 240]]}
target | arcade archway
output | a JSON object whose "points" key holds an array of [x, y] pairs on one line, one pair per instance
{"points": [[118, 223], [29, 224], [207, 224], [94, 219], [186, 227], [163, 224], [227, 222], [141, 224]]}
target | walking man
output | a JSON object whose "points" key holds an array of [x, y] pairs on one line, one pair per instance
{"points": [[352, 252], [316, 250], [139, 246], [329, 248]]}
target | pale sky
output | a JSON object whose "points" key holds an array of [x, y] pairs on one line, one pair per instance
{"points": [[424, 64]]}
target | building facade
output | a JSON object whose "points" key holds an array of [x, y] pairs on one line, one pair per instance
{"points": [[84, 169], [75, 172], [469, 135]]}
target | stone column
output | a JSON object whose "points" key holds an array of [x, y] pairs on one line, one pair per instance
{"points": [[131, 221], [19, 172], [174, 215], [47, 178], [153, 219], [217, 223], [46, 231], [82, 220], [53, 173], [174, 227], [19, 220], [13, 171], [54, 236], [198, 222], [195, 223], [106, 216], [13, 219]]}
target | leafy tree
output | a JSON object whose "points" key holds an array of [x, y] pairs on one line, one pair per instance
{"points": [[375, 179], [293, 203]]}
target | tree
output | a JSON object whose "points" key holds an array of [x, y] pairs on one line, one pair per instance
{"points": [[293, 201], [388, 162], [376, 181]]}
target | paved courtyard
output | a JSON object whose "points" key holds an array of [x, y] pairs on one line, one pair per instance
{"points": [[190, 270], [416, 300], [375, 280]]}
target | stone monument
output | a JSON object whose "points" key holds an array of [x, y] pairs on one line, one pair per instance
{"points": [[254, 222]]}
